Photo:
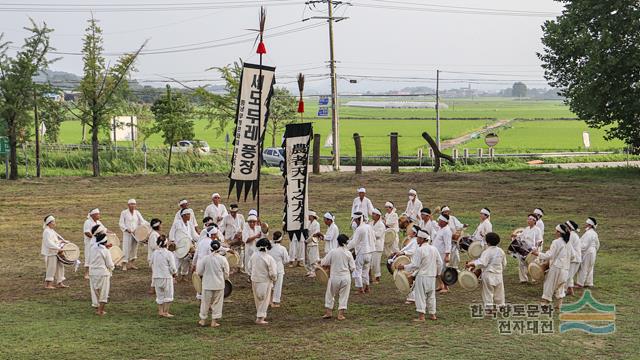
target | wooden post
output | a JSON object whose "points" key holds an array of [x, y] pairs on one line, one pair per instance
{"points": [[37, 127], [465, 152], [491, 153], [395, 166], [356, 140], [455, 154], [316, 153]]}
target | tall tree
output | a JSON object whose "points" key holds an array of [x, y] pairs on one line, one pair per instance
{"points": [[591, 53], [281, 112], [101, 87], [173, 119], [52, 114], [519, 89], [17, 86]]}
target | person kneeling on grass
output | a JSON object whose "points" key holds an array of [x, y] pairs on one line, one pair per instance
{"points": [[163, 267], [341, 265], [426, 263], [214, 269], [100, 268], [492, 262]]}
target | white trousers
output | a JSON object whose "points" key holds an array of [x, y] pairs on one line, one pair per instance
{"points": [[99, 285], [262, 297], [391, 248], [184, 264], [454, 256], [492, 290], [248, 252], [87, 248], [361, 273], [129, 247], [313, 255], [425, 293], [164, 290], [277, 288], [54, 269], [523, 270], [554, 283], [376, 258], [296, 250], [585, 275], [337, 286], [211, 300], [573, 270]]}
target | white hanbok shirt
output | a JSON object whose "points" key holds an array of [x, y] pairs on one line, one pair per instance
{"points": [[482, 230], [540, 225], [426, 261], [531, 236], [430, 226], [262, 267], [153, 243], [364, 206], [216, 211], [181, 229], [130, 221], [248, 232], [100, 263], [391, 221], [411, 248], [363, 240], [232, 226], [86, 228], [341, 262], [203, 249], [214, 269], [378, 231], [590, 241], [492, 260], [280, 254], [558, 255], [455, 224], [331, 237], [413, 208], [163, 264], [314, 228], [192, 219], [50, 242], [442, 241], [576, 247]]}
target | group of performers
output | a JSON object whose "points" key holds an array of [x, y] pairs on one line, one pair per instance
{"points": [[432, 246]]}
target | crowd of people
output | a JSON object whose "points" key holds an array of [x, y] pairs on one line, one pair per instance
{"points": [[431, 241]]}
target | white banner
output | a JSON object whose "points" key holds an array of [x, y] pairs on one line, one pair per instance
{"points": [[251, 123], [297, 138]]}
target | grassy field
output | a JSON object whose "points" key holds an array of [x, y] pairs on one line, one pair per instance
{"points": [[548, 135], [61, 324]]}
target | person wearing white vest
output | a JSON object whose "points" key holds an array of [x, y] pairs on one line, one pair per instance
{"points": [[425, 265], [390, 220], [184, 205], [539, 213], [362, 204], [214, 270], [264, 272], [163, 270], [100, 268], [376, 256], [183, 234], [216, 210], [442, 242], [414, 205], [232, 226], [492, 262], [530, 237], [340, 263], [363, 242], [130, 219], [576, 257], [52, 245], [330, 237], [251, 233], [455, 225], [559, 258], [93, 219], [281, 256], [590, 246], [311, 244]]}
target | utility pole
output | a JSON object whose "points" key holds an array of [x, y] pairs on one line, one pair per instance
{"points": [[438, 109], [37, 128], [335, 122]]}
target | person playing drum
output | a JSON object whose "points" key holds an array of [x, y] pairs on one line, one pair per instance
{"points": [[100, 268], [559, 258], [426, 264], [214, 269], [311, 245], [341, 264], [391, 222], [492, 263], [362, 204], [130, 219], [163, 270], [232, 226], [414, 205], [531, 237], [184, 205], [484, 227], [183, 231], [251, 233], [442, 242], [409, 250], [330, 237], [376, 256], [216, 210], [456, 226], [281, 256], [93, 219], [52, 246], [427, 223], [203, 247], [363, 242]]}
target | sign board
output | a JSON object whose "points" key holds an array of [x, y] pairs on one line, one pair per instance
{"points": [[121, 125], [323, 111], [323, 100], [586, 140], [491, 139], [4, 145]]}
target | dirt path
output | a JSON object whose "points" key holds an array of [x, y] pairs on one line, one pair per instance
{"points": [[466, 137]]}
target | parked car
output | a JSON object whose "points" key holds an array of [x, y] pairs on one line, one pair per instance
{"points": [[273, 157], [185, 146]]}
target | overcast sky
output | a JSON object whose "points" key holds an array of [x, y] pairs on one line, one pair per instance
{"points": [[382, 42]]}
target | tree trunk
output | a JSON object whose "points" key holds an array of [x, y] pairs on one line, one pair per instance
{"points": [[13, 145], [273, 137], [169, 162], [95, 160]]}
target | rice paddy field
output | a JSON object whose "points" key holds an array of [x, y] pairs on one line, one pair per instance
{"points": [[60, 324]]}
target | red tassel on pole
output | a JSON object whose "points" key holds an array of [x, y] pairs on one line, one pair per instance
{"points": [[300, 106], [261, 48]]}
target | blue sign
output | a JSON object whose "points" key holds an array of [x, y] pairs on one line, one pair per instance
{"points": [[323, 111], [323, 100]]}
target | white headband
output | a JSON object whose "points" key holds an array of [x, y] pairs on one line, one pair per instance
{"points": [[590, 222], [442, 218], [329, 216], [412, 192], [376, 211], [48, 220], [313, 213], [362, 190], [212, 231], [423, 234], [532, 218], [485, 211], [183, 201], [388, 204], [131, 202], [538, 212], [253, 212], [252, 218], [184, 211], [278, 239], [93, 212], [214, 195], [446, 208], [559, 229]]}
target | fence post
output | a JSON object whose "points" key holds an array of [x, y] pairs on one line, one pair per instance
{"points": [[356, 140], [395, 166], [480, 154], [465, 153], [316, 153], [455, 153], [491, 153]]}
